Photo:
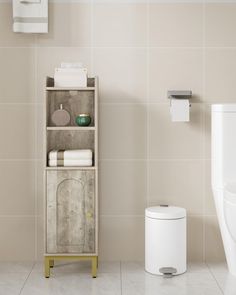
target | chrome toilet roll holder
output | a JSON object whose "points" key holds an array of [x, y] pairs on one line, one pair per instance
{"points": [[179, 94]]}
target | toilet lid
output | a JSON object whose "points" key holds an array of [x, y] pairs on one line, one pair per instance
{"points": [[165, 212]]}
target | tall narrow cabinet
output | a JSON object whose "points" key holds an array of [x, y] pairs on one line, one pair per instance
{"points": [[71, 193]]}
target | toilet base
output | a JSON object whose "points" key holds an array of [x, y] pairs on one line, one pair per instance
{"points": [[228, 242]]}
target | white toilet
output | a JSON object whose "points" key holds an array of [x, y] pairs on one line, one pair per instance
{"points": [[224, 176]]}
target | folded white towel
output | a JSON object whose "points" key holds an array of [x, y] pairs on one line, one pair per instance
{"points": [[30, 16], [70, 77], [71, 65], [71, 71], [79, 81], [70, 163], [70, 155]]}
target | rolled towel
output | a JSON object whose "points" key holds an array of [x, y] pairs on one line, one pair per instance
{"points": [[70, 154], [69, 163]]}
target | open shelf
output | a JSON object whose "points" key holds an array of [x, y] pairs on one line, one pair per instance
{"points": [[71, 128], [90, 84], [69, 140], [76, 102]]}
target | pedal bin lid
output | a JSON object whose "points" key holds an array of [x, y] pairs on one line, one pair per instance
{"points": [[165, 212]]}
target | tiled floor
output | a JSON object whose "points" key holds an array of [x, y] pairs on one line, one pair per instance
{"points": [[126, 278]]}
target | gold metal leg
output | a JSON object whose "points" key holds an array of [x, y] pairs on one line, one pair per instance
{"points": [[94, 266], [51, 262], [47, 267]]}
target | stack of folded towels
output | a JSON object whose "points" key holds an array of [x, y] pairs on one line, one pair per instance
{"points": [[70, 158], [70, 75]]}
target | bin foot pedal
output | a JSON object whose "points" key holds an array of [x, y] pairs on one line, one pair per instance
{"points": [[168, 271]]}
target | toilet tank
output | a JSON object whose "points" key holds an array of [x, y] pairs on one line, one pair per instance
{"points": [[223, 145]]}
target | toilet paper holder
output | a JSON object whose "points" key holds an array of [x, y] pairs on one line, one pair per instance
{"points": [[179, 94]]}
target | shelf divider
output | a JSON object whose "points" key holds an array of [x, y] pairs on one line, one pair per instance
{"points": [[72, 168], [70, 88], [69, 128]]}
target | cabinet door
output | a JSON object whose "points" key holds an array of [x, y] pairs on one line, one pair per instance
{"points": [[70, 211]]}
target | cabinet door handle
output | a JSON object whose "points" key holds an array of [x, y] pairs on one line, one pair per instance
{"points": [[89, 215]]}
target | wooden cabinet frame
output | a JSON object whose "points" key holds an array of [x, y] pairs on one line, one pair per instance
{"points": [[71, 193]]}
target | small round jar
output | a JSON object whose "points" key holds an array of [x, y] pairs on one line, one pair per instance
{"points": [[83, 120]]}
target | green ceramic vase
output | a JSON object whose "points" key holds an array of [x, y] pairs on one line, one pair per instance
{"points": [[83, 120]]}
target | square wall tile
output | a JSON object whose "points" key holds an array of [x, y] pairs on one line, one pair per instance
{"points": [[122, 187], [122, 74], [40, 131], [177, 183], [121, 238], [69, 25], [17, 195], [40, 176], [17, 238], [17, 122], [175, 140], [195, 241], [40, 238], [175, 69], [120, 24], [122, 131], [213, 242], [7, 36], [220, 24], [17, 75], [207, 131], [50, 58], [220, 75], [209, 198], [176, 24]]}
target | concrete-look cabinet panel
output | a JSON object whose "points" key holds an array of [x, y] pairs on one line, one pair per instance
{"points": [[71, 192], [71, 211]]}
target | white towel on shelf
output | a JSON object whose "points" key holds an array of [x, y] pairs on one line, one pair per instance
{"points": [[70, 77], [70, 155], [70, 163], [71, 65], [30, 16]]}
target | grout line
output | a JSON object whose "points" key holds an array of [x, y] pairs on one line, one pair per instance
{"points": [[143, 215], [115, 160], [122, 215], [110, 103], [35, 151], [121, 47], [19, 160], [121, 282], [27, 278], [204, 131], [147, 100], [16, 216], [150, 160], [20, 103], [92, 37], [212, 274], [157, 103]]}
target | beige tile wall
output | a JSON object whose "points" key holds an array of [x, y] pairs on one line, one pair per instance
{"points": [[139, 50]]}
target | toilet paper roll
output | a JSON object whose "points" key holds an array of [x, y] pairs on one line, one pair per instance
{"points": [[179, 110]]}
